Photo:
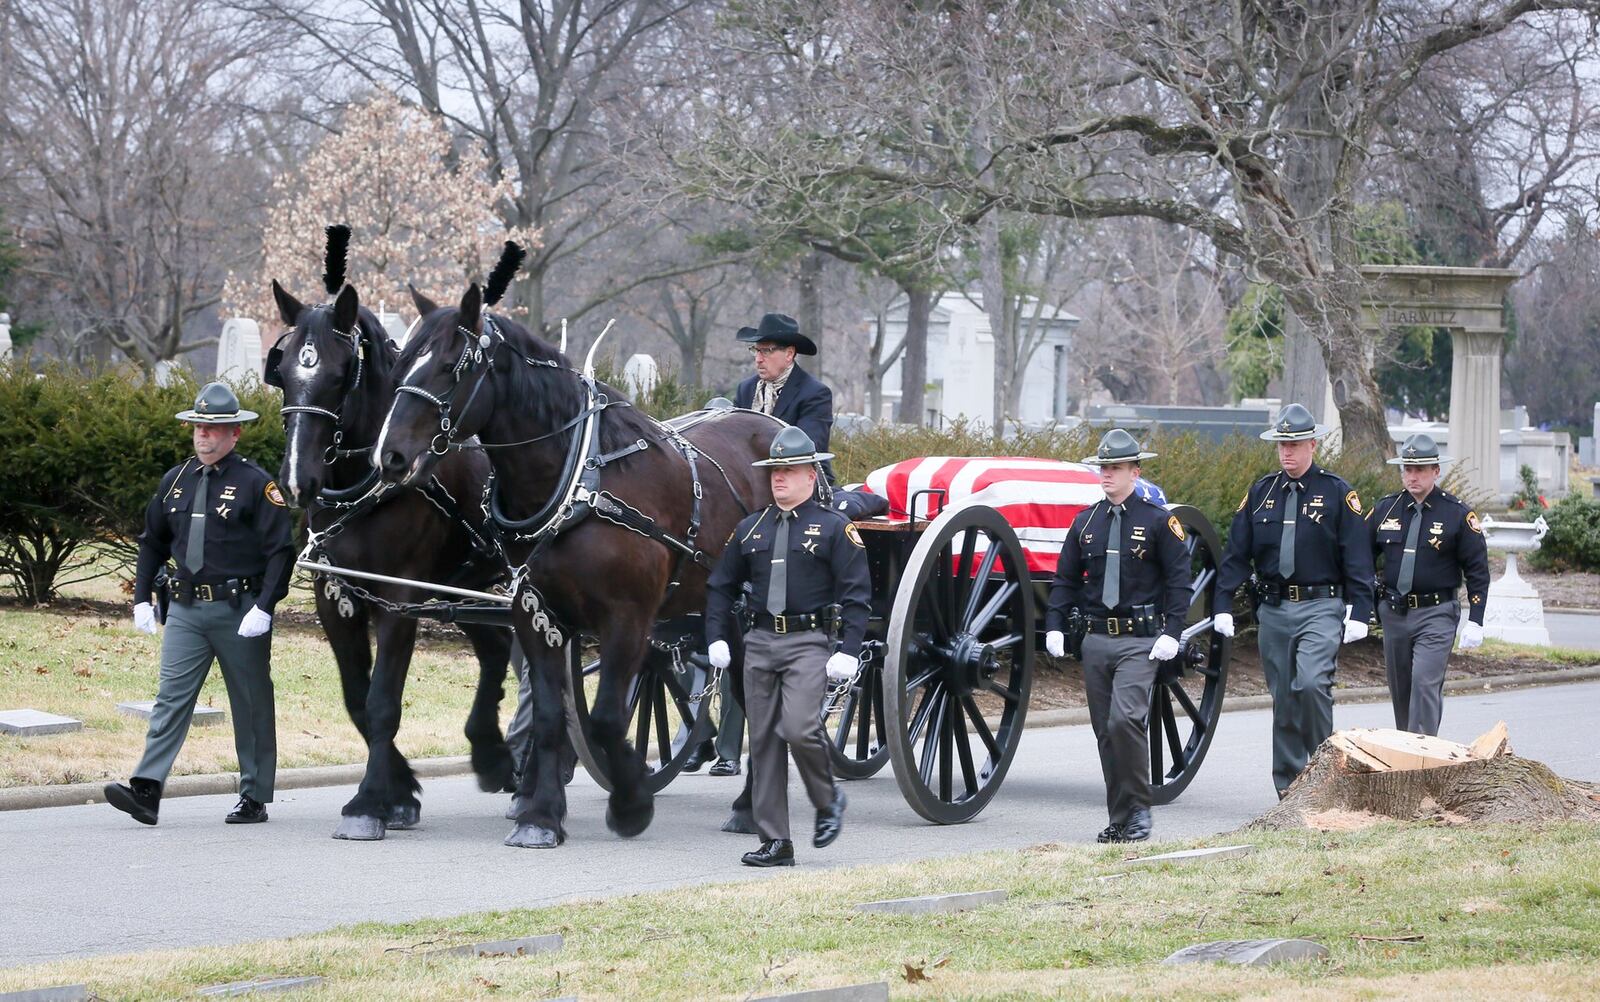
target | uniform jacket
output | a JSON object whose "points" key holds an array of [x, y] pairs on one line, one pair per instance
{"points": [[827, 564], [1154, 565], [1332, 544], [1449, 545], [248, 529]]}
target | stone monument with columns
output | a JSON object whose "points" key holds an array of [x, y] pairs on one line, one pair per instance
{"points": [[239, 350]]}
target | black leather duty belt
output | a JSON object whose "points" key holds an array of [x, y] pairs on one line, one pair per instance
{"points": [[794, 622], [1273, 593], [1120, 627], [188, 592], [1416, 600]]}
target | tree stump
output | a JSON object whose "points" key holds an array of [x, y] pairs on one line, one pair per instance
{"points": [[1366, 776]]}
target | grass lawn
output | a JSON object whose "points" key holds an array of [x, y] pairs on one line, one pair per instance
{"points": [[1412, 912], [83, 665]]}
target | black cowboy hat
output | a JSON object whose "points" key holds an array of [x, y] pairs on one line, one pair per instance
{"points": [[779, 329]]}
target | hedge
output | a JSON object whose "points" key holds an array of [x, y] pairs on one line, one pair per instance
{"points": [[82, 455], [1573, 542]]}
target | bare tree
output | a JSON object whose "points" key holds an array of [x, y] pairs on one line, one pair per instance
{"points": [[124, 165]]}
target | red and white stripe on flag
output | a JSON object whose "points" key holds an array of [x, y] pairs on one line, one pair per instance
{"points": [[1038, 497]]}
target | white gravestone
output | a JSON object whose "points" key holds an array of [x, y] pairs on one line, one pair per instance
{"points": [[239, 351], [641, 374], [1515, 613], [5, 342], [394, 325]]}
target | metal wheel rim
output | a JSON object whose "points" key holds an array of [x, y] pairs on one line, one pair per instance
{"points": [[593, 759], [858, 744]]}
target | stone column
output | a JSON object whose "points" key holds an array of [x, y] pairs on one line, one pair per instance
{"points": [[1475, 407], [5, 342]]}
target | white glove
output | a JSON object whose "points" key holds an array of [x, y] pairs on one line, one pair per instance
{"points": [[255, 622], [1165, 649], [841, 667], [719, 655], [1353, 630], [1471, 636], [1222, 622], [144, 617], [1056, 643]]}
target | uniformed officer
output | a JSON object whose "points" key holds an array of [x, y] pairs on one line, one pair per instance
{"points": [[808, 574], [1428, 539], [1303, 531], [221, 518], [1125, 567]]}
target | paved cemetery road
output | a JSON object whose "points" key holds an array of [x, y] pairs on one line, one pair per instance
{"points": [[86, 880]]}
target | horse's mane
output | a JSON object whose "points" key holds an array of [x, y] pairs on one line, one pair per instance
{"points": [[550, 396]]}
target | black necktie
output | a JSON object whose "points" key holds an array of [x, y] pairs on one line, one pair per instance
{"points": [[194, 555], [1408, 562], [1111, 589], [778, 588], [1291, 514]]}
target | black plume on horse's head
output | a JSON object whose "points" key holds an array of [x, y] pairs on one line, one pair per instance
{"points": [[335, 258], [505, 269]]}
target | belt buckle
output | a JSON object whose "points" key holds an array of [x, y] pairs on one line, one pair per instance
{"points": [[1411, 601], [1113, 627], [780, 624], [1292, 592], [203, 592]]}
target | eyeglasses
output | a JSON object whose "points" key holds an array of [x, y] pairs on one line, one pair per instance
{"points": [[764, 350]]}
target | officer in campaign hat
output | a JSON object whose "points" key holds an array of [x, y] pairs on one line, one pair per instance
{"points": [[1429, 540], [1125, 568], [224, 523], [1303, 532], [809, 582]]}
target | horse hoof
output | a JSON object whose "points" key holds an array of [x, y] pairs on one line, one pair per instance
{"points": [[632, 820], [532, 837], [741, 823], [403, 817], [360, 828], [515, 810]]}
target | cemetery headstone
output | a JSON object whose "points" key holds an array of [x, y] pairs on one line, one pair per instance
{"points": [[204, 716], [34, 723], [239, 351], [1249, 952]]}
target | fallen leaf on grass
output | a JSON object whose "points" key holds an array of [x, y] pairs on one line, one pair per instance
{"points": [[83, 673], [914, 974], [486, 983], [41, 670], [1415, 937]]}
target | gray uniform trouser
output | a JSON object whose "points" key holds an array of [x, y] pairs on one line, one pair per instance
{"points": [[1117, 678], [785, 679], [730, 729], [194, 636], [1299, 651], [1416, 646]]}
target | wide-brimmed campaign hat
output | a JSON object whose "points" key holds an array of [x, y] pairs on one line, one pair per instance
{"points": [[1294, 424], [1118, 447], [1419, 450], [779, 329], [216, 404], [792, 447]]}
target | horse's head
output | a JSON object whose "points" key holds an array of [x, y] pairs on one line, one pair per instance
{"points": [[447, 386], [318, 363]]}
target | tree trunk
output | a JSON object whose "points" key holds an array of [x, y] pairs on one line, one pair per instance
{"points": [[809, 315], [914, 363]]}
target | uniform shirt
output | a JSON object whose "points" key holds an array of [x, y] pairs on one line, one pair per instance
{"points": [[1154, 566], [248, 530], [827, 564], [1451, 543], [1331, 543]]}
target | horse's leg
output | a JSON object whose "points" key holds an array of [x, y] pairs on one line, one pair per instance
{"points": [[622, 650], [541, 801], [491, 759], [352, 652], [387, 797]]}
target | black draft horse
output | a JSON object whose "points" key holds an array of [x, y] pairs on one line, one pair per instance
{"points": [[336, 367], [469, 373]]}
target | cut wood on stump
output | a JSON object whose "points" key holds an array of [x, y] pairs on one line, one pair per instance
{"points": [[1362, 776]]}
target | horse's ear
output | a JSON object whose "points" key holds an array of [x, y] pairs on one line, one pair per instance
{"points": [[472, 309], [423, 304], [345, 309], [289, 308]]}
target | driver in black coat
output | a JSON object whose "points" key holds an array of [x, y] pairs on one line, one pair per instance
{"points": [[780, 387]]}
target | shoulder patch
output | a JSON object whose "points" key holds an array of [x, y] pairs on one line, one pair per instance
{"points": [[1176, 527], [1473, 524], [1353, 500], [853, 534], [1243, 501], [273, 494]]}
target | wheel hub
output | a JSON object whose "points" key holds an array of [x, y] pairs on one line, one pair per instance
{"points": [[968, 661]]}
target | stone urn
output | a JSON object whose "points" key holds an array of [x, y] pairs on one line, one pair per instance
{"points": [[1515, 612]]}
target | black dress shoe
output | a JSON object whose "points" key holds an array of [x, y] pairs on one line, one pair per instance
{"points": [[139, 798], [725, 767], [830, 820], [249, 812], [1137, 827], [700, 756], [1111, 833], [773, 852]]}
